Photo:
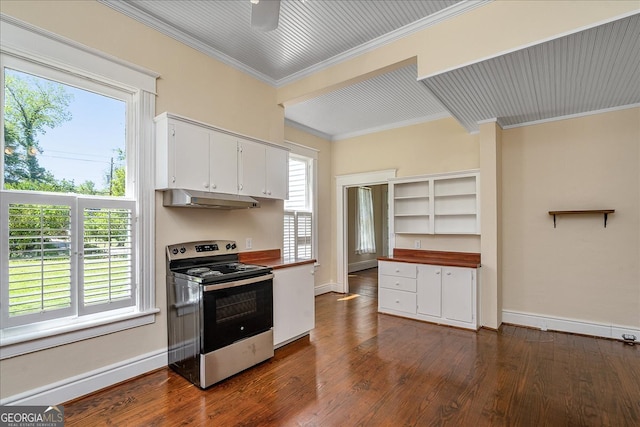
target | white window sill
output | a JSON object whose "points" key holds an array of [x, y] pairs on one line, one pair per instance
{"points": [[26, 339]]}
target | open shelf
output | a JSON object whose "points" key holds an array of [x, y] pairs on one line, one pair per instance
{"points": [[605, 212], [435, 204]]}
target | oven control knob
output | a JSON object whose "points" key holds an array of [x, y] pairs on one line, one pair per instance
{"points": [[228, 246], [182, 250], [233, 246], [174, 251]]}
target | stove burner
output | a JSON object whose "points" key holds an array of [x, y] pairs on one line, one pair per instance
{"points": [[197, 271], [238, 266], [211, 273]]}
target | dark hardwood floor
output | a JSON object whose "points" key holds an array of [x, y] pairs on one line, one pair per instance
{"points": [[364, 283], [361, 368]]}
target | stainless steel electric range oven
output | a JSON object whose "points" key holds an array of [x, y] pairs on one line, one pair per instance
{"points": [[220, 311]]}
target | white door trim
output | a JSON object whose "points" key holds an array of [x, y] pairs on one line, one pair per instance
{"points": [[342, 183]]}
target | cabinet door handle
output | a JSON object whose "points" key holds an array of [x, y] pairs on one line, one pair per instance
{"points": [[397, 270], [240, 187], [206, 185], [269, 193], [214, 186], [397, 301], [448, 273], [397, 283], [437, 272]]}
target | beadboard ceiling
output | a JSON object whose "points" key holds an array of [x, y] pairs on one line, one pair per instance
{"points": [[593, 70], [588, 71]]}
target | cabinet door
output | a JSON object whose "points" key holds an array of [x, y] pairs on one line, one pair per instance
{"points": [[189, 148], [224, 163], [430, 290], [293, 302], [252, 169], [277, 173], [457, 294]]}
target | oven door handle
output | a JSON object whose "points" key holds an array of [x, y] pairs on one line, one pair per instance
{"points": [[250, 280]]}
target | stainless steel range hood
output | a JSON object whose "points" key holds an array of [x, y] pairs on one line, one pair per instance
{"points": [[203, 199]]}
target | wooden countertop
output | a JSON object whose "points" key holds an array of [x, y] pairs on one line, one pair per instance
{"points": [[451, 259], [271, 258]]}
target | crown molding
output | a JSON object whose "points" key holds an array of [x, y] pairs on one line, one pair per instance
{"points": [[390, 126], [569, 116], [162, 27], [307, 129]]}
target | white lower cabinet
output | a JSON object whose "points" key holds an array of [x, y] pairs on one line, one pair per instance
{"points": [[430, 295], [397, 288], [400, 301], [293, 303], [459, 295], [439, 294]]}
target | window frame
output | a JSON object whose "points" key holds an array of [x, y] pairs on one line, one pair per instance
{"points": [[70, 62], [310, 156]]}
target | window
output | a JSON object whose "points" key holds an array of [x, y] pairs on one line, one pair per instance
{"points": [[365, 231], [74, 190], [298, 210]]}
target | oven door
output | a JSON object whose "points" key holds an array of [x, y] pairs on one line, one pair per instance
{"points": [[236, 310]]}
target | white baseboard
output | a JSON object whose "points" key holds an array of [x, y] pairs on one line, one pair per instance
{"points": [[362, 265], [89, 382], [324, 289], [568, 325]]}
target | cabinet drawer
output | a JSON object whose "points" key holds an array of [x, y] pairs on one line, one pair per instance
{"points": [[402, 269], [397, 300], [398, 283]]}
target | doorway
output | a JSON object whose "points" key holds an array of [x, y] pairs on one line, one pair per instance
{"points": [[362, 259], [343, 183]]}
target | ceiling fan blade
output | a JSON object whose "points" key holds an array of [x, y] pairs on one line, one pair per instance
{"points": [[265, 15]]}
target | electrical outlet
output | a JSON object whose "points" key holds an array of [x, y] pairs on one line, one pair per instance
{"points": [[248, 243], [416, 244]]}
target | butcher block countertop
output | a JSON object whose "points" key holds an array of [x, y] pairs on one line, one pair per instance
{"points": [[271, 258], [451, 259]]}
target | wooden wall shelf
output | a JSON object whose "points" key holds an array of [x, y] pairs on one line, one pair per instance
{"points": [[606, 212]]}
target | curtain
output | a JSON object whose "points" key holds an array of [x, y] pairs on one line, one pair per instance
{"points": [[365, 232]]}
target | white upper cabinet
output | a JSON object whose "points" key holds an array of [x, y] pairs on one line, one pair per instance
{"points": [[277, 173], [194, 156], [435, 204], [264, 170], [223, 163], [182, 165], [251, 164]]}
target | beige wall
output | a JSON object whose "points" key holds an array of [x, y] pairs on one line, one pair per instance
{"points": [[579, 270], [190, 84], [433, 147]]}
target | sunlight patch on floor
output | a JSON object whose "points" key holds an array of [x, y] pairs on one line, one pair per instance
{"points": [[348, 297]]}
